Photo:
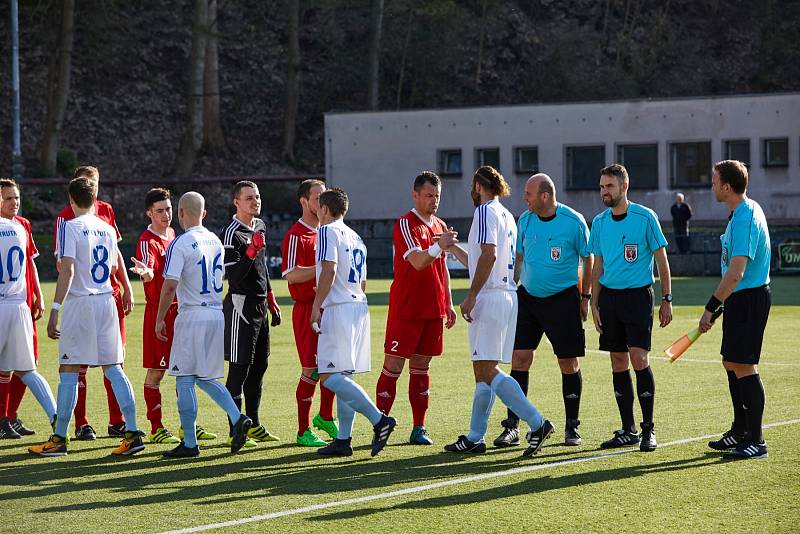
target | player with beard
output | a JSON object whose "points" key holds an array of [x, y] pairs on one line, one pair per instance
{"points": [[625, 238]]}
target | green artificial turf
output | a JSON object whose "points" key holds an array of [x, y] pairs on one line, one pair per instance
{"points": [[680, 487]]}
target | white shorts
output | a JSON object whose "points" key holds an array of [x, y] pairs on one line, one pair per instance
{"points": [[198, 344], [16, 337], [344, 343], [90, 331], [493, 326]]}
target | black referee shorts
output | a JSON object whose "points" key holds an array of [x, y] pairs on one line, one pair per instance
{"points": [[246, 329], [743, 324], [557, 316], [627, 317]]}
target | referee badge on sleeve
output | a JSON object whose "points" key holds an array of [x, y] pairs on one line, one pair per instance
{"points": [[631, 253], [555, 253]]}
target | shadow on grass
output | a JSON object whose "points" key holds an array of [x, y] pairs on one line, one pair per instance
{"points": [[217, 477], [528, 487]]}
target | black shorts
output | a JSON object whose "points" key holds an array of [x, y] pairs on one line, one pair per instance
{"points": [[627, 317], [557, 316], [246, 329], [743, 324]]}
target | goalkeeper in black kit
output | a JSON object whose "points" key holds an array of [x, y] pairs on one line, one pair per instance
{"points": [[246, 305]]}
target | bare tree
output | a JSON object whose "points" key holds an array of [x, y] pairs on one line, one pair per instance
{"points": [[482, 30], [58, 81], [404, 56], [192, 138], [292, 81], [375, 29], [213, 137]]}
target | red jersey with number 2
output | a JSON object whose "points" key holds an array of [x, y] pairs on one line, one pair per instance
{"points": [[417, 294]]}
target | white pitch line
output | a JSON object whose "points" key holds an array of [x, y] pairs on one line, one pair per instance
{"points": [[443, 484]]}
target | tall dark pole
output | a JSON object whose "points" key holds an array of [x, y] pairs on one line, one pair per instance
{"points": [[16, 150]]}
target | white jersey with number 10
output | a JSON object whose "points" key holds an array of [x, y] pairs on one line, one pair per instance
{"points": [[492, 224], [338, 243], [92, 244], [196, 260], [13, 247]]}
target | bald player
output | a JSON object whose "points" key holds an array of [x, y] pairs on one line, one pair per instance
{"points": [[551, 241], [194, 270]]}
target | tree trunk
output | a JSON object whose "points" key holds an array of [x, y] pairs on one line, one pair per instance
{"points": [[480, 44], [292, 81], [58, 90], [193, 130], [213, 137], [376, 25], [404, 56]]}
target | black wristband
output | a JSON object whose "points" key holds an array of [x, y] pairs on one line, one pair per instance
{"points": [[713, 304], [586, 296]]}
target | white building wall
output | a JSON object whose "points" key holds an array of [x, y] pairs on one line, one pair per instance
{"points": [[375, 156]]}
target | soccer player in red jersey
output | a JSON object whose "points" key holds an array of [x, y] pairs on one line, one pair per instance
{"points": [[124, 301], [148, 264], [419, 299], [12, 388], [299, 269]]}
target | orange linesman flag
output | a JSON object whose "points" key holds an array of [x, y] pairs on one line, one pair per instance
{"points": [[677, 349]]}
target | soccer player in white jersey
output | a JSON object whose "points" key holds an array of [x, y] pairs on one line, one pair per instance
{"points": [[343, 347], [16, 324], [491, 311], [89, 332], [194, 269]]}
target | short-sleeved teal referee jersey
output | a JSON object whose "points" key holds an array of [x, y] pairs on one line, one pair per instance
{"points": [[626, 246], [551, 249], [747, 235]]}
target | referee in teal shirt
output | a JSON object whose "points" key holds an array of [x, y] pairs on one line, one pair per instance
{"points": [[551, 240], [744, 289], [625, 239]]}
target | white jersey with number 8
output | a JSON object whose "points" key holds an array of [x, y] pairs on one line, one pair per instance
{"points": [[196, 259], [92, 244], [338, 243]]}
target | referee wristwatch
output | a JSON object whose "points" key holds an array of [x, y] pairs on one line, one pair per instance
{"points": [[667, 297]]}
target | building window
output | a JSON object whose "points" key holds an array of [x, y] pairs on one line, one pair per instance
{"points": [[690, 164], [641, 161], [583, 166], [450, 162], [526, 159], [776, 152], [738, 149], [487, 156]]}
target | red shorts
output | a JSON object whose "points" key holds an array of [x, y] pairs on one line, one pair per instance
{"points": [[407, 337], [121, 315], [155, 353], [304, 337]]}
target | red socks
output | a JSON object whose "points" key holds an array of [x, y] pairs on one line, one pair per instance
{"points": [[17, 390], [386, 390], [114, 413], [152, 398], [80, 407], [305, 396], [326, 398], [419, 385], [5, 387]]}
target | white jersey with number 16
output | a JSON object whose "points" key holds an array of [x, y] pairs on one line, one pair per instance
{"points": [[338, 243], [196, 260], [92, 244], [493, 224]]}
